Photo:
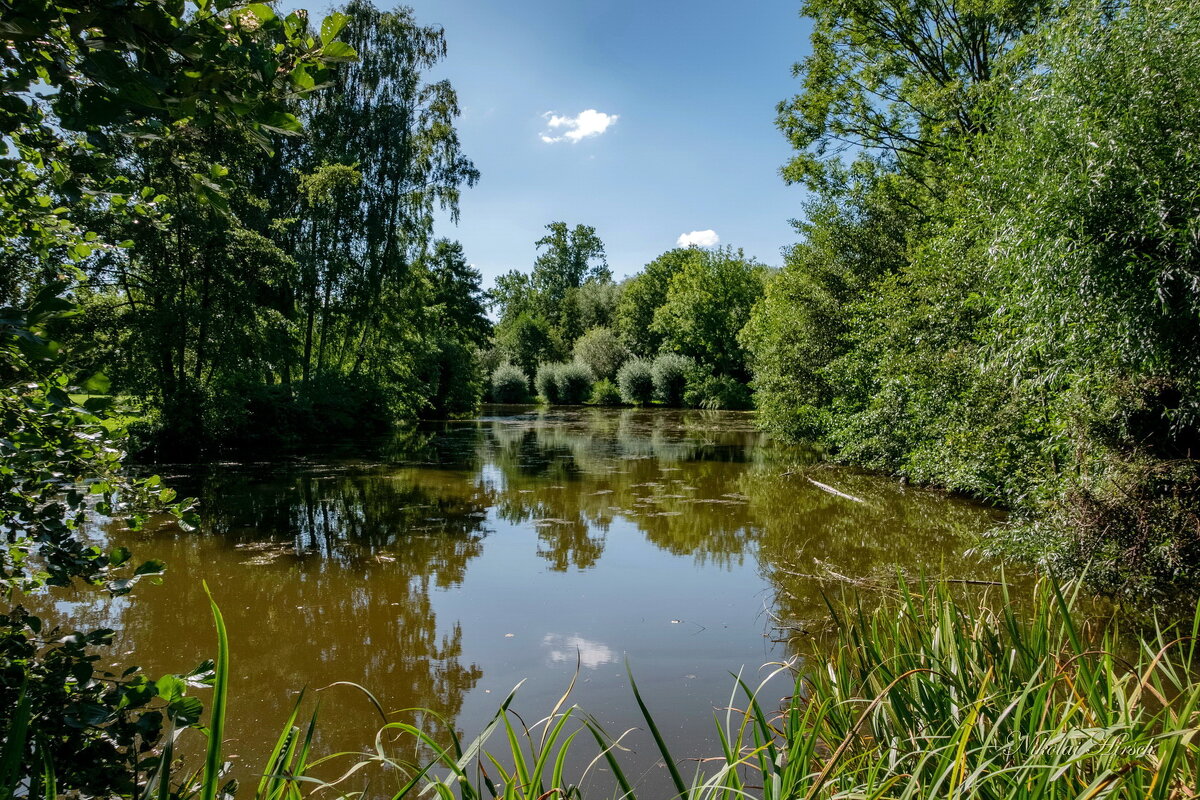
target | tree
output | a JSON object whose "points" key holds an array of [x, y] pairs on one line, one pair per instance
{"points": [[526, 341], [82, 81], [805, 319], [643, 294], [601, 350], [396, 131], [298, 275], [458, 326], [897, 83], [708, 302], [570, 257]]}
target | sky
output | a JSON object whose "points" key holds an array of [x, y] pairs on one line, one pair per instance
{"points": [[649, 120]]}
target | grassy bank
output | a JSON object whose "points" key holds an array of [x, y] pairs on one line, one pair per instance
{"points": [[915, 693]]}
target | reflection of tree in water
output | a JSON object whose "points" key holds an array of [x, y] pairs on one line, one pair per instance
{"points": [[326, 570], [572, 473], [709, 486], [321, 578], [817, 543]]}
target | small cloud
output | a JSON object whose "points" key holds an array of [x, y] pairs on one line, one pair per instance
{"points": [[698, 239], [571, 129], [590, 654]]}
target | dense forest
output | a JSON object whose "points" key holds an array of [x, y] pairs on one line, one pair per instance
{"points": [[997, 288], [217, 230], [261, 286]]}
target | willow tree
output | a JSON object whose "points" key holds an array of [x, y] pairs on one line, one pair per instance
{"points": [[381, 158]]}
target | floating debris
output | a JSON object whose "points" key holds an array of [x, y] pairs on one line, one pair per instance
{"points": [[826, 488]]}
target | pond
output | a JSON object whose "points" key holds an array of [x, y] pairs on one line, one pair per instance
{"points": [[445, 565]]}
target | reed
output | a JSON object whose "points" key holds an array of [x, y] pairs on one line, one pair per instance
{"points": [[923, 695]]}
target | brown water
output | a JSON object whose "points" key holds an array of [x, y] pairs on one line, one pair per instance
{"points": [[443, 566]]}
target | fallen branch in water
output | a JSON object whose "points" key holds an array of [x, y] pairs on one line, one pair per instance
{"points": [[827, 488]]}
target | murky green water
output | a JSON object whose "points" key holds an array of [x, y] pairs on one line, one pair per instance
{"points": [[441, 568]]}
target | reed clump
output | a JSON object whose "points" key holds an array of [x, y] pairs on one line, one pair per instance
{"points": [[923, 694]]}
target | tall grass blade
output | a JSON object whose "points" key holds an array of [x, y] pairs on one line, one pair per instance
{"points": [[216, 724], [676, 778], [16, 737]]}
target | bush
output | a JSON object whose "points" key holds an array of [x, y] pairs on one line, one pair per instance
{"points": [[573, 383], [716, 392], [546, 383], [635, 382], [605, 393], [509, 384], [670, 373], [601, 350]]}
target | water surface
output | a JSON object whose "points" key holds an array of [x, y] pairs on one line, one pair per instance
{"points": [[443, 566]]}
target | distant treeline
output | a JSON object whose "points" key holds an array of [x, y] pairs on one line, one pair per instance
{"points": [[568, 333]]}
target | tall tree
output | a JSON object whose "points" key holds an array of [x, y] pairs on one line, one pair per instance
{"points": [[569, 258], [643, 294], [708, 303], [381, 119], [896, 83]]}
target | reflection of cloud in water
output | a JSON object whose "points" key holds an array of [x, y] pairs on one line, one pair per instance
{"points": [[591, 654]]}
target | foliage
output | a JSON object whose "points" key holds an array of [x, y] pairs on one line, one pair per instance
{"points": [[690, 301], [525, 341], [597, 301], [61, 462], [636, 381], [86, 89], [708, 303], [601, 350], [716, 392], [645, 293], [257, 264], [569, 291], [574, 383], [509, 384], [999, 296], [896, 83], [566, 383], [670, 373], [605, 393], [804, 321], [545, 381], [570, 258]]}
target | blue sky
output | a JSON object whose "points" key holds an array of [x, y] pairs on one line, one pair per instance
{"points": [[693, 86]]}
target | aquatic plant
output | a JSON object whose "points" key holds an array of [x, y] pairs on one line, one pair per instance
{"points": [[924, 696]]}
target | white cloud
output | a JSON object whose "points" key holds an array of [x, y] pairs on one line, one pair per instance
{"points": [[571, 129], [569, 648], [706, 238]]}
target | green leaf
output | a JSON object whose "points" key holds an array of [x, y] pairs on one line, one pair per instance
{"points": [[338, 51], [332, 25], [281, 122], [170, 687], [151, 567], [263, 12], [14, 741], [98, 383], [216, 723], [185, 711]]}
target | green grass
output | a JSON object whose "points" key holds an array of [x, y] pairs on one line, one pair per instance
{"points": [[922, 695]]}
